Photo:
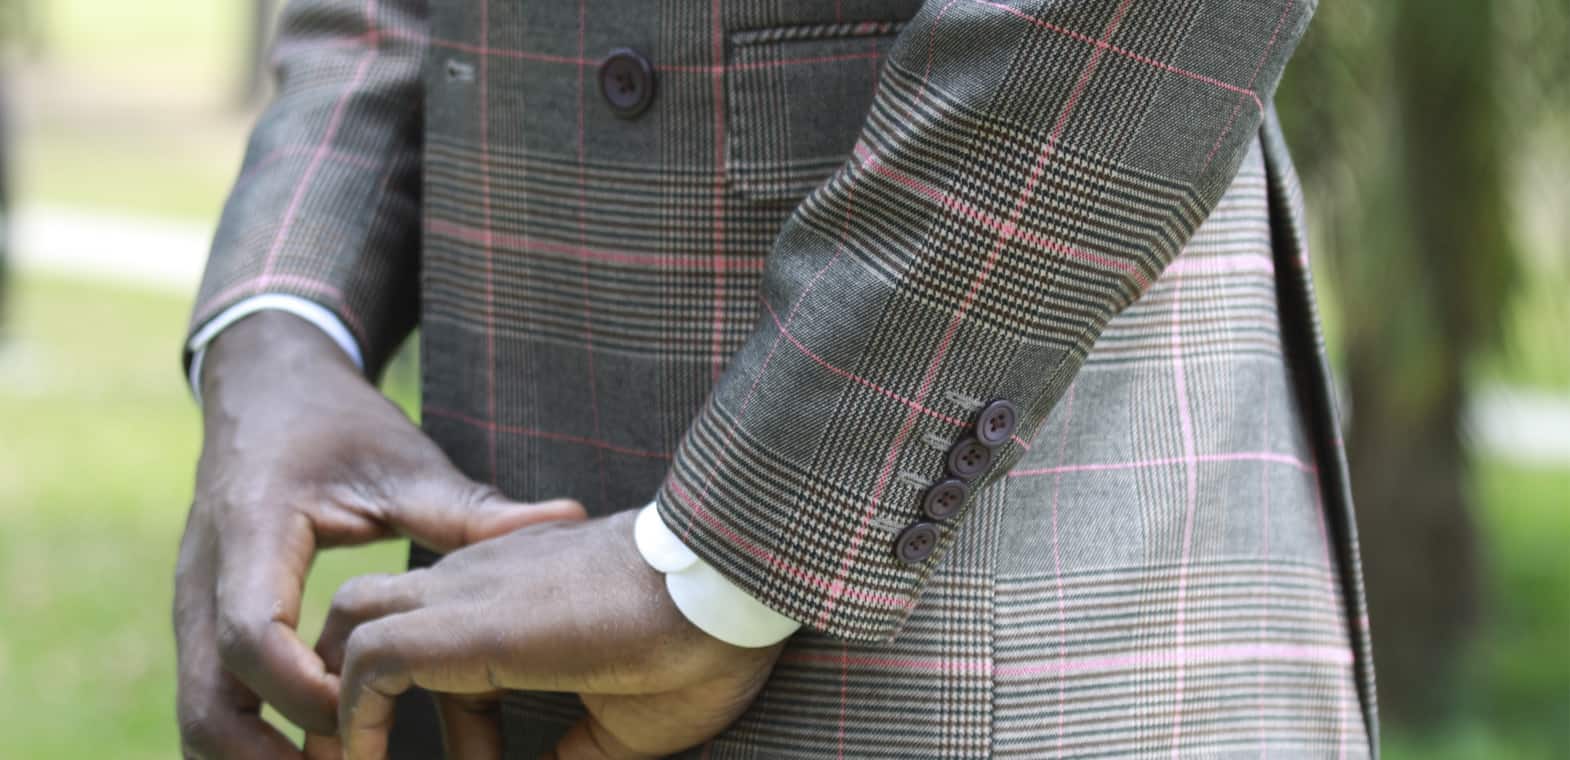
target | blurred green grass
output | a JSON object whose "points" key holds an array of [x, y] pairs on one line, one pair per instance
{"points": [[97, 451], [1517, 704]]}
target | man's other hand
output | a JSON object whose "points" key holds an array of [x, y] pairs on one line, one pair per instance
{"points": [[567, 607], [300, 453]]}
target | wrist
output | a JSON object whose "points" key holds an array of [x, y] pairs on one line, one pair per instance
{"points": [[266, 351]]}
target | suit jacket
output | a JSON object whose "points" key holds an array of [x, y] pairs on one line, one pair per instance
{"points": [[779, 296]]}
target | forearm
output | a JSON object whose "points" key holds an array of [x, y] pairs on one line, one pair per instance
{"points": [[326, 207], [1026, 172]]}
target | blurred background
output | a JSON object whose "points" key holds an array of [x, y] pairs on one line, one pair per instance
{"points": [[1434, 141]]}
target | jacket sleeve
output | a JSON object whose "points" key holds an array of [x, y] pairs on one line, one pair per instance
{"points": [[326, 206], [1027, 169]]}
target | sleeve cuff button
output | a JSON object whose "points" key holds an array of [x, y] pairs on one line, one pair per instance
{"points": [[997, 423], [969, 458], [944, 499], [916, 543]]}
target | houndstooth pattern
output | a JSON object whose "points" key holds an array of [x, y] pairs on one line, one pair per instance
{"points": [[776, 298]]}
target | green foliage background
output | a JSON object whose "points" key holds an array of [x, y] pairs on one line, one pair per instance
{"points": [[1434, 139]]}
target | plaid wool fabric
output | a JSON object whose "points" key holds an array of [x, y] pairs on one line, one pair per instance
{"points": [[776, 298]]}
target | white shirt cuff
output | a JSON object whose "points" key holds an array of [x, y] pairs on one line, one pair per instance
{"points": [[709, 600], [307, 310]]}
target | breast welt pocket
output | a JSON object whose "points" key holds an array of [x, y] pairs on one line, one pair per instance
{"points": [[796, 99]]}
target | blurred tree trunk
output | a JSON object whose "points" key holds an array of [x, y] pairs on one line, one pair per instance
{"points": [[1410, 163], [255, 78], [1408, 456]]}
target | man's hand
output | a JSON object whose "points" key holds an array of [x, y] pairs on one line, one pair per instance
{"points": [[562, 607], [300, 453]]}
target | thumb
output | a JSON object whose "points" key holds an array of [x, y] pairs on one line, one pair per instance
{"points": [[446, 511], [496, 515]]}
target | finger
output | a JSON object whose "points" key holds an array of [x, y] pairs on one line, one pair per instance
{"points": [[237, 736], [588, 740], [432, 648], [262, 568], [449, 511], [218, 716], [359, 600], [375, 672], [471, 726], [454, 650]]}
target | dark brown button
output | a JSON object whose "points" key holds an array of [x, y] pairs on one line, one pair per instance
{"points": [[916, 542], [945, 498], [627, 82], [997, 423], [969, 458]]}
